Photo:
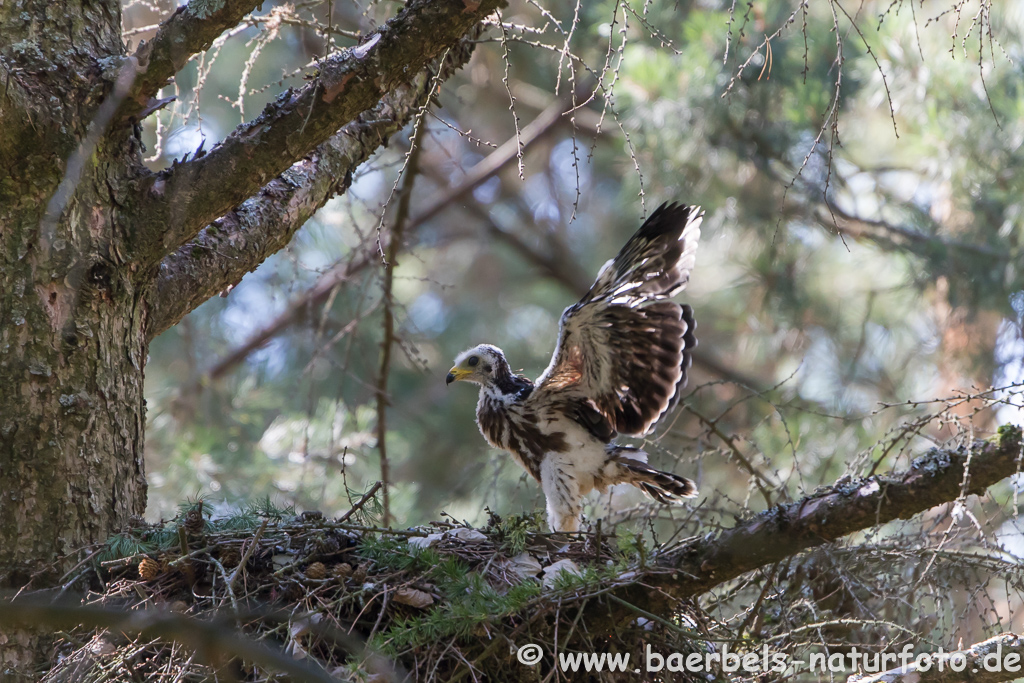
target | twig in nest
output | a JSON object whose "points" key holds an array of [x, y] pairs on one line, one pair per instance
{"points": [[360, 503], [397, 231], [248, 553]]}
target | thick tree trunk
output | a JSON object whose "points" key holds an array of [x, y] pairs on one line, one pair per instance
{"points": [[98, 255], [71, 406], [72, 339]]}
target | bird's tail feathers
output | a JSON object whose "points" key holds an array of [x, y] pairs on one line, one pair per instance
{"points": [[664, 487]]}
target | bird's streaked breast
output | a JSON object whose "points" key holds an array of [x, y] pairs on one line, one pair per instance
{"points": [[517, 430]]}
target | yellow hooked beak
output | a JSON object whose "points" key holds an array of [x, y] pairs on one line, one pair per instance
{"points": [[457, 373]]}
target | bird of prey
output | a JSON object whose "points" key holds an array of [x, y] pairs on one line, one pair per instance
{"points": [[621, 360]]}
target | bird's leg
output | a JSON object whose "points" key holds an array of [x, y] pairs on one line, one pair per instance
{"points": [[562, 491]]}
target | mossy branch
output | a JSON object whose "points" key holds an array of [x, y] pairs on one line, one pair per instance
{"points": [[943, 475]]}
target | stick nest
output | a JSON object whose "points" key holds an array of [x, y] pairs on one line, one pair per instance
{"points": [[442, 602]]}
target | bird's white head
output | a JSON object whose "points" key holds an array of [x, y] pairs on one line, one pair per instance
{"points": [[482, 364]]}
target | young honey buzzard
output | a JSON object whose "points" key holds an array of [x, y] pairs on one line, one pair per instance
{"points": [[621, 361]]}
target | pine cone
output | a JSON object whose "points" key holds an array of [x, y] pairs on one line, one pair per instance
{"points": [[341, 571], [359, 575], [328, 544], [317, 570], [149, 569], [194, 522]]}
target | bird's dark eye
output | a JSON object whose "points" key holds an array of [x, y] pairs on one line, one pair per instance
{"points": [[473, 360]]}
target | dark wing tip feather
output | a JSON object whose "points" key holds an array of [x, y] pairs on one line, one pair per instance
{"points": [[653, 337], [665, 218]]}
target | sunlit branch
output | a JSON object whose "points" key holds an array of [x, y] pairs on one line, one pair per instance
{"points": [[321, 291], [188, 31], [700, 564], [173, 206], [242, 239], [995, 660]]}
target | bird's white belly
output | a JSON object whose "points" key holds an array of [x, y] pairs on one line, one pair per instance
{"points": [[586, 457]]}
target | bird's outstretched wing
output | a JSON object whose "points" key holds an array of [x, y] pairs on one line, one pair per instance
{"points": [[624, 348]]}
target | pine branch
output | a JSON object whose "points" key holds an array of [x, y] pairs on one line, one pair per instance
{"points": [[941, 476], [319, 292], [171, 207], [190, 30], [238, 242]]}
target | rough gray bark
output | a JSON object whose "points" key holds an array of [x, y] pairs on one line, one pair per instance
{"points": [[172, 207], [72, 330], [941, 476], [182, 35], [90, 241]]}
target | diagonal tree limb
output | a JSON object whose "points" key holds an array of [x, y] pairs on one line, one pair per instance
{"points": [[171, 207], [701, 564], [236, 243], [319, 292], [496, 160], [232, 266], [659, 590], [190, 30], [985, 662], [564, 273]]}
